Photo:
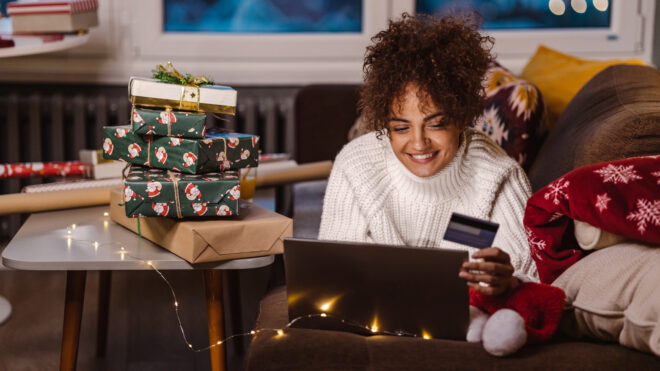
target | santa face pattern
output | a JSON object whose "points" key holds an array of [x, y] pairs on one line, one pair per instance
{"points": [[191, 156], [181, 124], [107, 146], [155, 192], [134, 150]]}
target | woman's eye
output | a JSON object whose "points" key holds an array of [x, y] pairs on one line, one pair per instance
{"points": [[399, 129], [437, 124]]}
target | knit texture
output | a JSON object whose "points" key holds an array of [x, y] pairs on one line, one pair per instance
{"points": [[372, 197]]}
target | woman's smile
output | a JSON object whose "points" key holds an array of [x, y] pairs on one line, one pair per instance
{"points": [[421, 137], [423, 157]]}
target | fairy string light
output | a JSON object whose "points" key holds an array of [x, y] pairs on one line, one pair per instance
{"points": [[276, 331]]}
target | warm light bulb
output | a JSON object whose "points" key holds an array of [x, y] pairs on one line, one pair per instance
{"points": [[219, 342], [190, 346], [323, 315], [73, 226], [557, 7], [68, 231], [105, 213], [426, 335], [374, 329], [122, 248], [252, 332], [601, 5], [326, 306], [176, 303], [149, 262], [579, 6], [280, 332], [96, 244]]}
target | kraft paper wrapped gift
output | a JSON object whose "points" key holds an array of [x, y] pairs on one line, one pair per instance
{"points": [[256, 232]]}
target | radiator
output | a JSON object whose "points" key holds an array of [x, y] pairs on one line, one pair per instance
{"points": [[51, 123]]}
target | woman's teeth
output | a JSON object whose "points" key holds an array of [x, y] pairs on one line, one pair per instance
{"points": [[422, 157]]}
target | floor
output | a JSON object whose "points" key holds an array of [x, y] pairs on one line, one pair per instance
{"points": [[143, 333]]}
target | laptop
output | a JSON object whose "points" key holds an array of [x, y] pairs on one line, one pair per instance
{"points": [[376, 289]]}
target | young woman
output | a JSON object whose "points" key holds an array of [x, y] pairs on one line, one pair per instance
{"points": [[400, 183]]}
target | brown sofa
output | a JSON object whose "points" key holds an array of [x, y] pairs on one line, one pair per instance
{"points": [[615, 115]]}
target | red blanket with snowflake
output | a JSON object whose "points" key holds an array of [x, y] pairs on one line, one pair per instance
{"points": [[621, 197]]}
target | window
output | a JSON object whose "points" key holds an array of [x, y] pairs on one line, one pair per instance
{"points": [[512, 15], [263, 16]]}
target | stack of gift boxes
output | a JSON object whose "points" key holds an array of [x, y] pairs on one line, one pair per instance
{"points": [[178, 167]]}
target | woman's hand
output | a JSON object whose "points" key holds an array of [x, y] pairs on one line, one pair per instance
{"points": [[495, 271]]}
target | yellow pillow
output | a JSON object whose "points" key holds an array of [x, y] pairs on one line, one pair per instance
{"points": [[560, 76]]}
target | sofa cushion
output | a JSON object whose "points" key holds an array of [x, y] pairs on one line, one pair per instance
{"points": [[304, 349], [614, 116], [513, 114], [560, 76], [615, 296]]}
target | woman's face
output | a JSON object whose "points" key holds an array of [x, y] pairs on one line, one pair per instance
{"points": [[422, 138]]}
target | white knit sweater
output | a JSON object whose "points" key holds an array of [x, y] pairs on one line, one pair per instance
{"points": [[372, 197]]}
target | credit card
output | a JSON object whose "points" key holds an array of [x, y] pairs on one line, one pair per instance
{"points": [[471, 231]]}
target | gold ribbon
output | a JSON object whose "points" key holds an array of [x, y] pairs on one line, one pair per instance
{"points": [[170, 71], [168, 109], [177, 200], [183, 94], [123, 171], [149, 150], [184, 105]]}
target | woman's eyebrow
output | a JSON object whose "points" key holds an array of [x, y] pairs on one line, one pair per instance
{"points": [[398, 119], [427, 118]]}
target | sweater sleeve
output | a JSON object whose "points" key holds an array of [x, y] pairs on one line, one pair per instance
{"points": [[508, 211], [341, 218]]}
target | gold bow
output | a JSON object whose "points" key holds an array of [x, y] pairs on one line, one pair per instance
{"points": [[169, 74]]}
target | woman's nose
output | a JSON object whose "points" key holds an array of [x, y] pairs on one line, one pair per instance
{"points": [[420, 140]]}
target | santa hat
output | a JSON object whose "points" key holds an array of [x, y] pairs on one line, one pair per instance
{"points": [[530, 313]]}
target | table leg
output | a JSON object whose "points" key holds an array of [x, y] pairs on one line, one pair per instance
{"points": [[103, 310], [234, 310], [73, 307], [213, 282]]}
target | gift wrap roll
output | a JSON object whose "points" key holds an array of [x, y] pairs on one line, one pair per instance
{"points": [[302, 173], [17, 203]]}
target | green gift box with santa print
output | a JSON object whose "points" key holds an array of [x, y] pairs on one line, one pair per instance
{"points": [[218, 151], [157, 192], [167, 122]]}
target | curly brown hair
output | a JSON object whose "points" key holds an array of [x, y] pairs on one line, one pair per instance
{"points": [[445, 57]]}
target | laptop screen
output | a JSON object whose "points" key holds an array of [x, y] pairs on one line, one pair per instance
{"points": [[376, 289]]}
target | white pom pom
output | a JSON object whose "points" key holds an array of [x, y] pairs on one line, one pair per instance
{"points": [[504, 333], [478, 320]]}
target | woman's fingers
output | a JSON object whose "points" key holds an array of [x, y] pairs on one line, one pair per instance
{"points": [[491, 280], [497, 269], [492, 254]]}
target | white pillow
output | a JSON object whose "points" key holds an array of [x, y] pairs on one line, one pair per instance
{"points": [[614, 295]]}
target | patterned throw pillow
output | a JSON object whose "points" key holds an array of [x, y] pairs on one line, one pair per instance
{"points": [[513, 114]]}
